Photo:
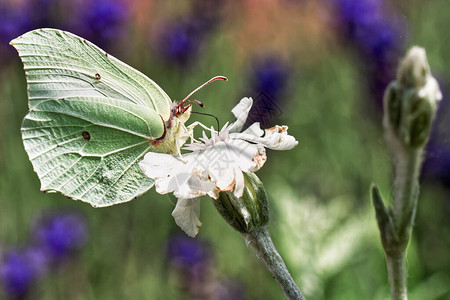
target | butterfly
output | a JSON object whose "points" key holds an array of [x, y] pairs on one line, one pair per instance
{"points": [[92, 118]]}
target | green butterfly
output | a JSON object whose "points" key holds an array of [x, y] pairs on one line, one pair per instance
{"points": [[92, 118]]}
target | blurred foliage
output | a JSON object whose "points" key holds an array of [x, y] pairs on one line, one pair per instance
{"points": [[321, 217]]}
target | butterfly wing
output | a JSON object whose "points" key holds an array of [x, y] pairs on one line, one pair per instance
{"points": [[90, 120]]}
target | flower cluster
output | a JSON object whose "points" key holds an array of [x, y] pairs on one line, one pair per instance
{"points": [[215, 165], [56, 237]]}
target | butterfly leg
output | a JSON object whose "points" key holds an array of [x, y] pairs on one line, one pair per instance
{"points": [[193, 125], [179, 152]]}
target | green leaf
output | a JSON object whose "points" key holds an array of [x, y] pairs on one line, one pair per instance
{"points": [[91, 118]]}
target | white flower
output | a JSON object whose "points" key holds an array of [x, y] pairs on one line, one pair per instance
{"points": [[215, 164]]}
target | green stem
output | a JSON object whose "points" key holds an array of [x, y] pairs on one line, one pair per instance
{"points": [[397, 276], [396, 225], [406, 191], [260, 239]]}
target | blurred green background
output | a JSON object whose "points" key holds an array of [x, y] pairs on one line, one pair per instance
{"points": [[319, 67]]}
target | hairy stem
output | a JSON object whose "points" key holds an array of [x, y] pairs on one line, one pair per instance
{"points": [[397, 276], [260, 239], [395, 223], [406, 193]]}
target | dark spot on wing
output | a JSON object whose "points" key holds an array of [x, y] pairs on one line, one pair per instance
{"points": [[86, 135], [97, 76]]}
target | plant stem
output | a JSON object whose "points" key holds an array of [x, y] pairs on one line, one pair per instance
{"points": [[260, 239], [406, 193], [396, 222], [406, 190], [397, 276]]}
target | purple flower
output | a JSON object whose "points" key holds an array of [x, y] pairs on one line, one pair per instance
{"points": [[59, 235], [377, 38], [185, 252], [13, 22], [102, 22], [17, 274], [370, 29], [181, 42], [269, 81], [270, 75]]}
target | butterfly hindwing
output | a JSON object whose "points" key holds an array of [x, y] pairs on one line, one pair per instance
{"points": [[91, 118]]}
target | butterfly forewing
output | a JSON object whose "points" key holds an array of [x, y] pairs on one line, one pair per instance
{"points": [[59, 64], [91, 118]]}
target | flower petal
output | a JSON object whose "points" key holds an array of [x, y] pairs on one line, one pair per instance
{"points": [[276, 138], [197, 185], [240, 184], [245, 155], [218, 161], [157, 164], [240, 111], [254, 129], [186, 215], [167, 170]]}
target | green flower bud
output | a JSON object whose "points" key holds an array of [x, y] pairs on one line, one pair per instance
{"points": [[248, 212], [410, 102]]}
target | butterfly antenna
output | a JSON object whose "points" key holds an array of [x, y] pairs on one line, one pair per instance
{"points": [[206, 114], [200, 87]]}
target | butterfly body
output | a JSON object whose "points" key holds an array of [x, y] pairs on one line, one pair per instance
{"points": [[175, 133]]}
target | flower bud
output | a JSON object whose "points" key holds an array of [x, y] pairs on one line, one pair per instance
{"points": [[248, 212], [410, 102]]}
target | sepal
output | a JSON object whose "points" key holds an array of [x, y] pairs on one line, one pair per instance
{"points": [[248, 212]]}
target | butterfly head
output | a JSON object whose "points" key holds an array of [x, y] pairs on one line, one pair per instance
{"points": [[175, 132]]}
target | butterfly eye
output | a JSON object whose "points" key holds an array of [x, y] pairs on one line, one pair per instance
{"points": [[86, 135]]}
